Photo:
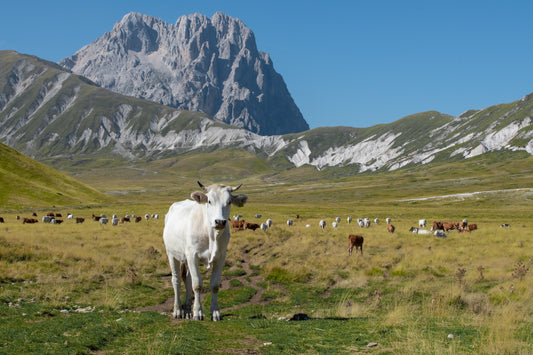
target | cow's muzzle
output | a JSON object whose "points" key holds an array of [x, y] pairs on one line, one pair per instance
{"points": [[220, 223]]}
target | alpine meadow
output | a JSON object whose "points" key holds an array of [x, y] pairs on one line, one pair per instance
{"points": [[89, 171]]}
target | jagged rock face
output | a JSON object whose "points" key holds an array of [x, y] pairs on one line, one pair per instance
{"points": [[201, 64]]}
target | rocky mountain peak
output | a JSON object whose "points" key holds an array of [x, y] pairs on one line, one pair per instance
{"points": [[210, 65]]}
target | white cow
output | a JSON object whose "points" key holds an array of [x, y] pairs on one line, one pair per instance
{"points": [[269, 223], [422, 223], [349, 219], [334, 224], [197, 231], [322, 224]]}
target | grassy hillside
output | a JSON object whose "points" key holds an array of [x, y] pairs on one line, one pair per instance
{"points": [[27, 183]]}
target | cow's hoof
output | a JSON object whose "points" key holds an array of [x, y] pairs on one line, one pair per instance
{"points": [[216, 316]]}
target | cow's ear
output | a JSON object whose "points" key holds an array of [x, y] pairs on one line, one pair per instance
{"points": [[239, 200], [199, 197]]}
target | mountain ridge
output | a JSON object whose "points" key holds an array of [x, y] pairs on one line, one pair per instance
{"points": [[50, 114], [200, 64]]}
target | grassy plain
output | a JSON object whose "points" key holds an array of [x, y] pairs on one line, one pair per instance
{"points": [[469, 293]]}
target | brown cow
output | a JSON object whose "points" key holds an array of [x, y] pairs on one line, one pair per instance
{"points": [[96, 218], [355, 241], [29, 220], [448, 226], [437, 226], [390, 228], [80, 220], [1, 219], [138, 219], [238, 225], [252, 226], [472, 227]]}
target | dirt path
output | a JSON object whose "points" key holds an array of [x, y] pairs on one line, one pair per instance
{"points": [[248, 279]]}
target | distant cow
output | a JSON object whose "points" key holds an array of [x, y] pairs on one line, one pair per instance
{"points": [[29, 220], [436, 226], [439, 233], [388, 220], [472, 227], [138, 219], [197, 231], [80, 219], [322, 224], [1, 219], [355, 241], [419, 231], [237, 225], [422, 223], [290, 222], [334, 224], [264, 227], [269, 223], [390, 228], [96, 218], [103, 220], [448, 226], [252, 226]]}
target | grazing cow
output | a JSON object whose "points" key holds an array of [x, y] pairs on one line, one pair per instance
{"points": [[34, 214], [355, 241], [334, 224], [349, 220], [390, 228], [1, 219], [436, 226], [147, 216], [80, 220], [46, 219], [156, 216], [29, 220], [59, 215], [322, 224], [367, 222], [338, 219], [258, 215], [70, 216], [96, 218], [505, 225], [388, 220], [237, 225], [448, 226], [114, 221], [419, 231], [472, 227], [264, 226], [103, 221], [376, 220], [361, 222], [125, 219], [56, 221], [138, 219], [290, 222], [50, 214], [252, 226], [197, 231], [269, 223], [422, 223]]}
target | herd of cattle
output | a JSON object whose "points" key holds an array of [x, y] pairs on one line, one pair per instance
{"points": [[57, 218], [438, 228]]}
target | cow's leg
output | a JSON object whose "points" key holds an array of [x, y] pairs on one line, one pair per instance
{"points": [[196, 283], [176, 285], [215, 286], [186, 277]]}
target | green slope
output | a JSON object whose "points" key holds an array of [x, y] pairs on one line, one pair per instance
{"points": [[27, 183]]}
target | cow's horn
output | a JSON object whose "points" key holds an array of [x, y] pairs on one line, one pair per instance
{"points": [[202, 186], [236, 188]]}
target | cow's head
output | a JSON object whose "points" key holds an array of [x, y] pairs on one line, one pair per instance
{"points": [[218, 200]]}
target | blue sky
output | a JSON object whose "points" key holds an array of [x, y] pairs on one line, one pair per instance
{"points": [[346, 63]]}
